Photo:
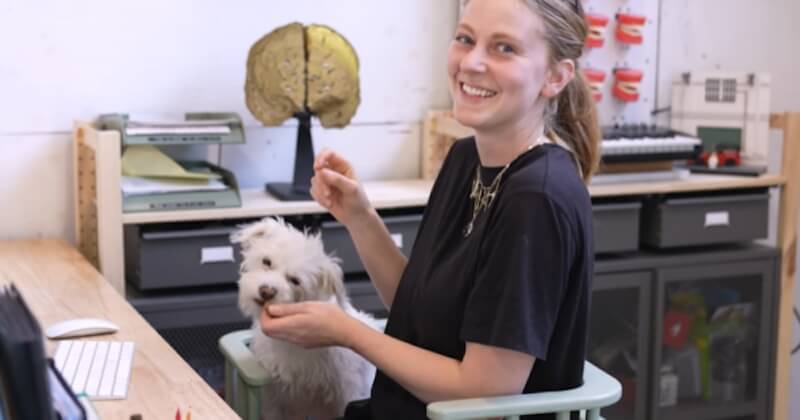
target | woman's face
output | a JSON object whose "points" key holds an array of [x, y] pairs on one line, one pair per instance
{"points": [[497, 64]]}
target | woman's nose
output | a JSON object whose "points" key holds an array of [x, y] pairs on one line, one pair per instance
{"points": [[474, 60]]}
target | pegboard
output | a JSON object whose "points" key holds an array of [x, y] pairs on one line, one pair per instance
{"points": [[615, 53]]}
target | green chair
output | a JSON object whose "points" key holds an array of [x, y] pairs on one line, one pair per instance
{"points": [[244, 377]]}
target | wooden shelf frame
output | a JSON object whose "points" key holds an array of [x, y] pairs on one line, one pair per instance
{"points": [[99, 220], [789, 123]]}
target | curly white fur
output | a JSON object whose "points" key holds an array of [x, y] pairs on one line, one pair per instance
{"points": [[283, 265]]}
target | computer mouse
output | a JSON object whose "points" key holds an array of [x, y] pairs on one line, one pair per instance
{"points": [[80, 327]]}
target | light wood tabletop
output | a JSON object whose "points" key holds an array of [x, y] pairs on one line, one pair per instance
{"points": [[57, 283]]}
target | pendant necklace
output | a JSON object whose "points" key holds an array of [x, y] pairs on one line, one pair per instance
{"points": [[482, 195]]}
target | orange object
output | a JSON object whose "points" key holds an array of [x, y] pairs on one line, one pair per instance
{"points": [[626, 85], [597, 30], [595, 79], [629, 28]]}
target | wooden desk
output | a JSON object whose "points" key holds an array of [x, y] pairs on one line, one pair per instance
{"points": [[58, 284]]}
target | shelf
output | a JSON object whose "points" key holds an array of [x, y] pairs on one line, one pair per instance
{"points": [[414, 192], [257, 203], [694, 182]]}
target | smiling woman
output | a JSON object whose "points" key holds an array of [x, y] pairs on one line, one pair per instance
{"points": [[494, 297]]}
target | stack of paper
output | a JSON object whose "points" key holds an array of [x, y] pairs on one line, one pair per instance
{"points": [[147, 170], [151, 124]]}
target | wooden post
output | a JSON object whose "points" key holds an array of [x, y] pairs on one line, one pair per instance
{"points": [[98, 201], [787, 241]]}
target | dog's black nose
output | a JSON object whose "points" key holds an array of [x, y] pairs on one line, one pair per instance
{"points": [[266, 292]]}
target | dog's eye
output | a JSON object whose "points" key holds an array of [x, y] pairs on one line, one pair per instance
{"points": [[293, 280], [267, 262]]}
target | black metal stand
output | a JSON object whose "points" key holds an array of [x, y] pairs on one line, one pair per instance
{"points": [[303, 165]]}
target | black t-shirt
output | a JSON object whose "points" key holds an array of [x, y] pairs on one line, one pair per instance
{"points": [[521, 280]]}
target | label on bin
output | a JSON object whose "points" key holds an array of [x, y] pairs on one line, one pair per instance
{"points": [[398, 239], [717, 218], [215, 254]]}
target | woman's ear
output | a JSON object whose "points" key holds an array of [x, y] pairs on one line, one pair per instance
{"points": [[558, 77]]}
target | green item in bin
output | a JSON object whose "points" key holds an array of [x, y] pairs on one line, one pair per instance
{"points": [[149, 161]]}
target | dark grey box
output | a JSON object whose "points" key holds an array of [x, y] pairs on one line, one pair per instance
{"points": [[164, 257], [364, 296], [336, 239], [616, 226], [702, 220]]}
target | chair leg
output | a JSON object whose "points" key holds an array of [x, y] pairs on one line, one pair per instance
{"points": [[229, 380], [593, 414]]}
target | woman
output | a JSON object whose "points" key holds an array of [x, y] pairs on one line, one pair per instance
{"points": [[494, 297]]}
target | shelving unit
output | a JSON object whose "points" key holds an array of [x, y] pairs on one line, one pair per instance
{"points": [[100, 224]]}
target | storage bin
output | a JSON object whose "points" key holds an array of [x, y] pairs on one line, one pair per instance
{"points": [[736, 216], [163, 257], [616, 226], [336, 239]]}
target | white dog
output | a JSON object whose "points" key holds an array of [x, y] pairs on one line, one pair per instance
{"points": [[283, 265]]}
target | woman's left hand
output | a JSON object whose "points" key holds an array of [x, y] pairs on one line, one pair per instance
{"points": [[307, 324]]}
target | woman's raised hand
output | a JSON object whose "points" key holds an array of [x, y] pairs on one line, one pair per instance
{"points": [[335, 187]]}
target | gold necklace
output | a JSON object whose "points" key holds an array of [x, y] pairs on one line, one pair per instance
{"points": [[482, 195]]}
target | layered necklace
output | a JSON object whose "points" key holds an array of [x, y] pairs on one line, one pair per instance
{"points": [[483, 195]]}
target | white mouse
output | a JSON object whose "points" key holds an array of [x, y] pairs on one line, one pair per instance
{"points": [[80, 327]]}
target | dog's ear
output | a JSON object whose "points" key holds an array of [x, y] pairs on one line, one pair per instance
{"points": [[260, 229], [330, 280]]}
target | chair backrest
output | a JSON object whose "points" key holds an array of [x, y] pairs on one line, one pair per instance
{"points": [[244, 377], [599, 390]]}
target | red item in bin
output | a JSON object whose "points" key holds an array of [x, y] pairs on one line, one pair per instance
{"points": [[626, 84], [597, 30], [629, 28], [595, 79], [676, 329]]}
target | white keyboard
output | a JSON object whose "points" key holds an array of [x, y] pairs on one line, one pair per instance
{"points": [[647, 145], [100, 369]]}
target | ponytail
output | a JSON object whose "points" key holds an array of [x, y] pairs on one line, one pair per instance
{"points": [[570, 117], [575, 123]]}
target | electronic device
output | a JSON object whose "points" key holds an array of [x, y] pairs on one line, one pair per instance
{"points": [[100, 369], [643, 142], [80, 327], [24, 384]]}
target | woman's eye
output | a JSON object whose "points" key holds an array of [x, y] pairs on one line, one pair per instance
{"points": [[463, 39], [293, 280], [267, 262], [505, 48]]}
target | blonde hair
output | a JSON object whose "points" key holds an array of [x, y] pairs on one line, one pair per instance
{"points": [[571, 116]]}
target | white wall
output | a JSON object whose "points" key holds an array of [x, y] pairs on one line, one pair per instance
{"points": [[61, 61]]}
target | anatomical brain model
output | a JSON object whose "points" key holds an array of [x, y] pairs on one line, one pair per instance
{"points": [[298, 70]]}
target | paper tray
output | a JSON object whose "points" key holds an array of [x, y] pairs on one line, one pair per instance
{"points": [[188, 200]]}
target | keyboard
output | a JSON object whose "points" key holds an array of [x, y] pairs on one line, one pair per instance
{"points": [[99, 369], [643, 143]]}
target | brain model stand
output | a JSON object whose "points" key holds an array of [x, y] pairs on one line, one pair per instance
{"points": [[301, 72]]}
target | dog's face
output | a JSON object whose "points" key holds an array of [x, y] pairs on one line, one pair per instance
{"points": [[283, 265]]}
